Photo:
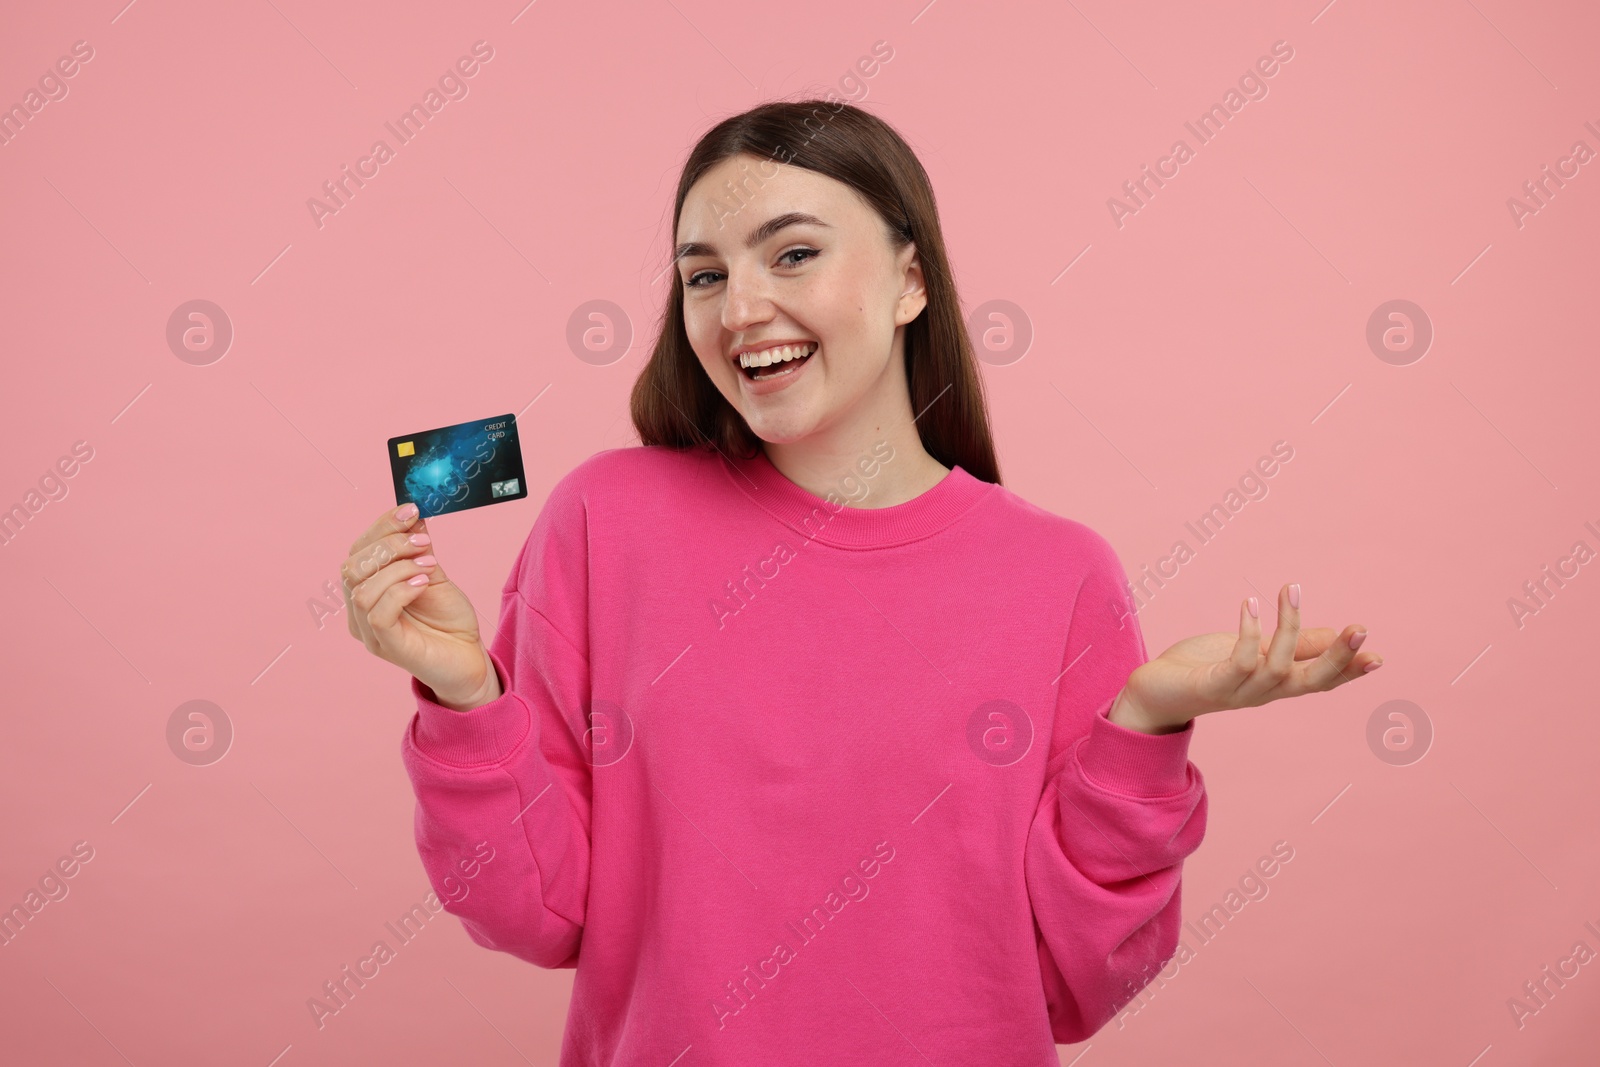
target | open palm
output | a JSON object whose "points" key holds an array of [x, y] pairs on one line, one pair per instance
{"points": [[1211, 672]]}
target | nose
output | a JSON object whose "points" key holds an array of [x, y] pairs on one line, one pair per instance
{"points": [[746, 301]]}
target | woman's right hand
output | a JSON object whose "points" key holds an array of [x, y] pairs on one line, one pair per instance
{"points": [[429, 628]]}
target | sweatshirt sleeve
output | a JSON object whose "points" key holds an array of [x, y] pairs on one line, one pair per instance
{"points": [[1121, 810], [503, 790]]}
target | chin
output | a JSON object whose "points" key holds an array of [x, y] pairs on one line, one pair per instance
{"points": [[781, 431], [778, 436]]}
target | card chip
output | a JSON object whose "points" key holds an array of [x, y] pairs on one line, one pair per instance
{"points": [[405, 448]]}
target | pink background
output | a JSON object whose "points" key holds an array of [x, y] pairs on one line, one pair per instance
{"points": [[1227, 314]]}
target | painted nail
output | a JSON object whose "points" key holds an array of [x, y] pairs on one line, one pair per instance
{"points": [[1255, 608], [1294, 595], [405, 511], [425, 561], [419, 539], [1374, 665], [1356, 639], [420, 579]]}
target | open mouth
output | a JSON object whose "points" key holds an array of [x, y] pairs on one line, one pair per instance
{"points": [[784, 360]]}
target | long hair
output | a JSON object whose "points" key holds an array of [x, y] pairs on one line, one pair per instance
{"points": [[674, 402]]}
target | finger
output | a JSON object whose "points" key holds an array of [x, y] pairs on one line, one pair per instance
{"points": [[1247, 649], [1313, 641], [352, 572], [1340, 664], [387, 523], [375, 556], [1276, 669], [384, 617], [377, 611], [1324, 671]]}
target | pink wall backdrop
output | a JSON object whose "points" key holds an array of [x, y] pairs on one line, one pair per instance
{"points": [[1383, 264]]}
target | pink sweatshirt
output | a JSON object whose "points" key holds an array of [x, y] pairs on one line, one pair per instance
{"points": [[793, 782]]}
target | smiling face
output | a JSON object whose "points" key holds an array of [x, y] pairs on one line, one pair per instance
{"points": [[801, 260]]}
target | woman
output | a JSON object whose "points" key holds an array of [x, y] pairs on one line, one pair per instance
{"points": [[801, 738]]}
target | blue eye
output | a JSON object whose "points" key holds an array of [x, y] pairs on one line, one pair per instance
{"points": [[694, 281]]}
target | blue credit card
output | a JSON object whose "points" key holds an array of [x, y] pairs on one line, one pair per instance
{"points": [[457, 467]]}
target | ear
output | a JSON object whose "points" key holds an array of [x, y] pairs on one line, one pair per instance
{"points": [[914, 294]]}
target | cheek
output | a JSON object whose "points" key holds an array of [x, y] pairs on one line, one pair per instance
{"points": [[857, 332], [702, 328], [857, 299], [839, 307]]}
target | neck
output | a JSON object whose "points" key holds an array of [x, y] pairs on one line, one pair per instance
{"points": [[873, 457], [873, 471]]}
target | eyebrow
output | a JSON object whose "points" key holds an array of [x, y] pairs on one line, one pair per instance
{"points": [[758, 235]]}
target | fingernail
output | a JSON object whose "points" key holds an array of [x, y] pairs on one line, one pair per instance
{"points": [[420, 579], [1374, 665], [425, 561], [419, 539], [1255, 608], [1356, 639], [405, 511], [1294, 595]]}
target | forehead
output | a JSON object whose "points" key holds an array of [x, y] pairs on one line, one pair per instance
{"points": [[741, 193]]}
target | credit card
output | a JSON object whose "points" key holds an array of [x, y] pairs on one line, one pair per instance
{"points": [[457, 467]]}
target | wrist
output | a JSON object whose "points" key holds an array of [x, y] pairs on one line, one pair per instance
{"points": [[1127, 713], [486, 693], [465, 705]]}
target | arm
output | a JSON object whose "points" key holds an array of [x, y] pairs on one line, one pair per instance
{"points": [[1121, 809], [509, 779]]}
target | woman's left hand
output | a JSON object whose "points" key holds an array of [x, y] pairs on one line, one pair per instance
{"points": [[1199, 675]]}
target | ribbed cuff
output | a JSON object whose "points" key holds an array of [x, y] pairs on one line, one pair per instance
{"points": [[485, 734], [1133, 762]]}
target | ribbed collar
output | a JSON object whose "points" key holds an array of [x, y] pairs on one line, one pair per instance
{"points": [[813, 517]]}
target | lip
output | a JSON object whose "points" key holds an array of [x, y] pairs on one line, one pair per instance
{"points": [[773, 385]]}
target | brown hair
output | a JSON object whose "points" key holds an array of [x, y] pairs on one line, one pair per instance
{"points": [[674, 402]]}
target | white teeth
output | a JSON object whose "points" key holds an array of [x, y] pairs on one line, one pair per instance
{"points": [[770, 356]]}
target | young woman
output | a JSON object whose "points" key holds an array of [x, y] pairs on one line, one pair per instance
{"points": [[801, 738]]}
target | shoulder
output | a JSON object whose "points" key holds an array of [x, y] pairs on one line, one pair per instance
{"points": [[597, 506], [620, 486], [1069, 541], [630, 473], [1078, 561], [636, 462]]}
